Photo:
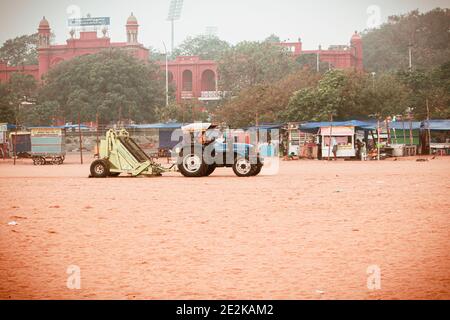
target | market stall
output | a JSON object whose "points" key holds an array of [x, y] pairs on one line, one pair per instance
{"points": [[48, 145], [344, 136], [435, 136]]}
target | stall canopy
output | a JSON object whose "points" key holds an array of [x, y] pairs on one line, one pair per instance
{"points": [[266, 126], [169, 125], [397, 125], [441, 125], [361, 125], [315, 126]]}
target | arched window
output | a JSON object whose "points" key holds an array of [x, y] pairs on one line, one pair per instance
{"points": [[208, 80], [187, 80]]}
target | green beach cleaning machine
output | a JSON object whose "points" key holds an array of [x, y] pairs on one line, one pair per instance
{"points": [[119, 153]]}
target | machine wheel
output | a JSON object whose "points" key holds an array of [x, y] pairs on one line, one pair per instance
{"points": [[210, 170], [99, 169], [192, 165], [242, 167], [39, 161]]}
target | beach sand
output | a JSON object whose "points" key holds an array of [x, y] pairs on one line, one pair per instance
{"points": [[309, 232]]}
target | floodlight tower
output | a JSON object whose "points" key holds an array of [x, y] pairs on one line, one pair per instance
{"points": [[174, 14]]}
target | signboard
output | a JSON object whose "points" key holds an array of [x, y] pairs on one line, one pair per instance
{"points": [[46, 132], [91, 21]]}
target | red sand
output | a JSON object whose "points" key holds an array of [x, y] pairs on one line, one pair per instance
{"points": [[309, 232]]}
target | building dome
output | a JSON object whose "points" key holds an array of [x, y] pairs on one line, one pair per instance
{"points": [[44, 23], [132, 20], [356, 36]]}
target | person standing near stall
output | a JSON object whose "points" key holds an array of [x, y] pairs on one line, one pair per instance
{"points": [[334, 146]]}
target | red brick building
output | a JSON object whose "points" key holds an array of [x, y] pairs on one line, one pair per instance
{"points": [[337, 56], [192, 77]]}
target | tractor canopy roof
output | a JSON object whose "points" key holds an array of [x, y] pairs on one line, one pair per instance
{"points": [[198, 126]]}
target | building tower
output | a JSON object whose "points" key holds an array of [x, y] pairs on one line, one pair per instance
{"points": [[132, 29], [43, 46], [356, 43]]}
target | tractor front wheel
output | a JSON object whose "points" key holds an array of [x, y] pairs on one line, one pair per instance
{"points": [[99, 169]]}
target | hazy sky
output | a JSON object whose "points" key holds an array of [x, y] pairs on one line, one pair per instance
{"points": [[315, 21]]}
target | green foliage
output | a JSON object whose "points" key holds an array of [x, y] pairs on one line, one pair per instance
{"points": [[112, 83], [22, 87], [264, 103], [386, 48], [253, 63], [156, 56], [309, 61], [189, 111], [432, 87], [20, 50], [7, 110], [273, 38], [348, 95], [208, 47], [43, 114]]}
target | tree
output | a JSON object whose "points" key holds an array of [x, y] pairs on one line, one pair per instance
{"points": [[42, 114], [432, 86], [208, 47], [349, 95], [253, 63], [264, 103], [22, 87], [112, 83], [20, 50], [273, 38], [386, 48], [309, 61], [156, 55], [7, 110]]}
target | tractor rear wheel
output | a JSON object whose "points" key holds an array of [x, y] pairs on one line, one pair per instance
{"points": [[99, 169], [242, 167], [192, 165]]}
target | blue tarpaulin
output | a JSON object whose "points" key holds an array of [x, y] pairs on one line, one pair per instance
{"points": [[309, 126], [267, 126], [397, 125], [436, 125], [169, 125], [360, 125]]}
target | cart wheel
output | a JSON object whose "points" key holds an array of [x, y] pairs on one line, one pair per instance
{"points": [[39, 161], [60, 160], [99, 169]]}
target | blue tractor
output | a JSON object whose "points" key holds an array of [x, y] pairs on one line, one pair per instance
{"points": [[204, 148]]}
